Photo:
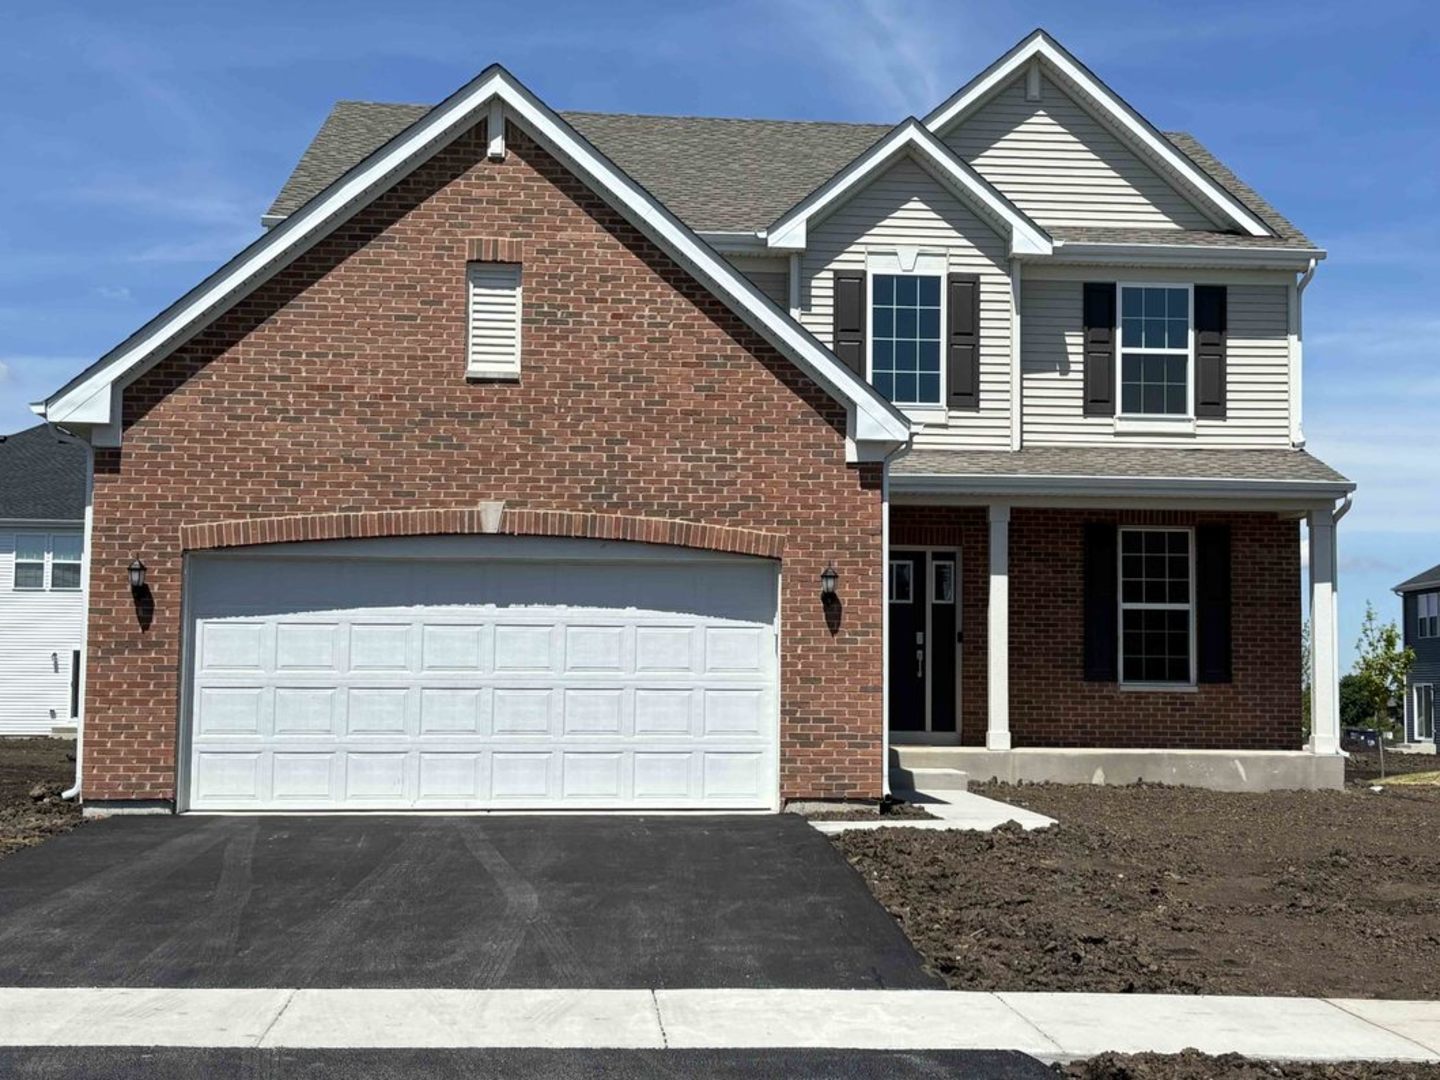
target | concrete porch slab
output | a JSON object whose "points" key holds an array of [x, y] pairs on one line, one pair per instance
{"points": [[1218, 770], [952, 810]]}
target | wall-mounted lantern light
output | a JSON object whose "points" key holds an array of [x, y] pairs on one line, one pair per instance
{"points": [[829, 578], [137, 575]]}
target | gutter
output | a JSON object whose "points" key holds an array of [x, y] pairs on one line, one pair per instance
{"points": [[1215, 255]]}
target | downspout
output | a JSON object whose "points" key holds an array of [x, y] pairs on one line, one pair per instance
{"points": [[1297, 353], [67, 437], [885, 620]]}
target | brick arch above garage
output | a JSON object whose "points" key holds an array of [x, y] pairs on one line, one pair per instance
{"points": [[487, 519]]}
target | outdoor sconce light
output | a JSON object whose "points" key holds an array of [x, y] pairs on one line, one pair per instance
{"points": [[829, 577], [137, 575]]}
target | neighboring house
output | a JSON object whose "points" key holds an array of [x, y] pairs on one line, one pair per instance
{"points": [[42, 576], [1420, 623], [537, 459]]}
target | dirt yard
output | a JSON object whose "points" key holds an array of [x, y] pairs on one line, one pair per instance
{"points": [[1365, 768], [1194, 1066], [1175, 890], [33, 772]]}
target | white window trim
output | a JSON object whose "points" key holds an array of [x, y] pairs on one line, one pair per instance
{"points": [[891, 596], [1420, 618], [1155, 423], [47, 562], [922, 264], [1122, 607], [1415, 712]]}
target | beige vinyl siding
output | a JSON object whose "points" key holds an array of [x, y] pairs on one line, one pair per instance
{"points": [[1060, 165], [38, 632], [906, 206], [1257, 370]]}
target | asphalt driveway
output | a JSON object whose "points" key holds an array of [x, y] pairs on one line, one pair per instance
{"points": [[480, 902]]}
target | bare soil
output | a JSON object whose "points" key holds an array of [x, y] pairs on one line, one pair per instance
{"points": [[33, 772], [1192, 1065], [1175, 890], [1365, 768], [862, 812]]}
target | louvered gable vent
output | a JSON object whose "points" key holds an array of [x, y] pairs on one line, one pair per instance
{"points": [[494, 320]]}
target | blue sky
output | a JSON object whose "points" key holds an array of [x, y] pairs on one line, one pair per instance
{"points": [[144, 140]]}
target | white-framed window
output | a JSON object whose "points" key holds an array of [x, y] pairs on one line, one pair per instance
{"points": [[943, 588], [1427, 615], [906, 308], [902, 581], [1157, 606], [493, 347], [48, 561], [1424, 704], [1156, 350]]}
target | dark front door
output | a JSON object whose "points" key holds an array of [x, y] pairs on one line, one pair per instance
{"points": [[907, 640], [924, 640]]}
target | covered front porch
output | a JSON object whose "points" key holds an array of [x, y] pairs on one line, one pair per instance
{"points": [[1103, 615]]}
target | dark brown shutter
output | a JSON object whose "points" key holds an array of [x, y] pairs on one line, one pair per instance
{"points": [[1212, 604], [1210, 334], [962, 341], [1102, 646], [850, 319], [1099, 348]]}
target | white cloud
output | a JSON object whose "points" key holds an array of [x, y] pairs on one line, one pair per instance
{"points": [[4, 372], [114, 292]]}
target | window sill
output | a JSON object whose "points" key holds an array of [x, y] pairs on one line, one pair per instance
{"points": [[478, 373], [1159, 688], [1175, 426]]}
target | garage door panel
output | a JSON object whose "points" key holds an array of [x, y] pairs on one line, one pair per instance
{"points": [[459, 685]]}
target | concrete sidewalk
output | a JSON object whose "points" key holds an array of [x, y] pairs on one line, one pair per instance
{"points": [[952, 810], [1051, 1027]]}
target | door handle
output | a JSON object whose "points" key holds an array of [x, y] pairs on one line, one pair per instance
{"points": [[919, 663]]}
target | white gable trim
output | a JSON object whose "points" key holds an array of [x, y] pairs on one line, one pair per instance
{"points": [[92, 398], [911, 138], [1040, 46]]}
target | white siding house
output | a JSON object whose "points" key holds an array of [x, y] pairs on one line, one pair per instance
{"points": [[42, 578]]}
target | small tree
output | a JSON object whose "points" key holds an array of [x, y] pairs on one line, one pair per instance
{"points": [[1354, 708], [1307, 690], [1381, 666]]}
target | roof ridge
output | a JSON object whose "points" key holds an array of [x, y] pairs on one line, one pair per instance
{"points": [[728, 119]]}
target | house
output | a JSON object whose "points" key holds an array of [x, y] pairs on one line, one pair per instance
{"points": [[574, 460], [1420, 624], [42, 581]]}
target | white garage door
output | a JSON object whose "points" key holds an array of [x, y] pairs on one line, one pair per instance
{"points": [[481, 672]]}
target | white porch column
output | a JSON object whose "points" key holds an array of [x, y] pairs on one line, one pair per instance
{"points": [[997, 734], [1324, 636]]}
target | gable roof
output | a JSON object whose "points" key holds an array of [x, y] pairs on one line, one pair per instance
{"points": [[42, 476], [1039, 47], [92, 397], [729, 175], [1423, 580], [911, 139]]}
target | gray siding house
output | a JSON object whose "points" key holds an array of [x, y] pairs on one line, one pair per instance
{"points": [[1420, 603]]}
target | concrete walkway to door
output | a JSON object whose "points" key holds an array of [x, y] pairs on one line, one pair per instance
{"points": [[469, 902]]}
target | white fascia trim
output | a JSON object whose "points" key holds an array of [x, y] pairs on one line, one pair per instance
{"points": [[1140, 486], [1180, 254], [911, 137], [92, 397], [1040, 44], [737, 243]]}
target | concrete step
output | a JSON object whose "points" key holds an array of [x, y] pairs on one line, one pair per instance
{"points": [[927, 781], [930, 757]]}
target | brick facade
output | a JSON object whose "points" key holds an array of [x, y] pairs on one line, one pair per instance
{"points": [[1051, 704], [339, 388]]}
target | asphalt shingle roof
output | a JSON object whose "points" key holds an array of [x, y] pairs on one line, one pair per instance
{"points": [[728, 175], [1081, 462], [41, 478], [1421, 581]]}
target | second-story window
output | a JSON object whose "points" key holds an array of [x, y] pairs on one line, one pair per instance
{"points": [[905, 338], [1427, 615], [1155, 350]]}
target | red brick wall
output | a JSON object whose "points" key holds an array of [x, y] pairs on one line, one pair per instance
{"points": [[339, 387], [1051, 704]]}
